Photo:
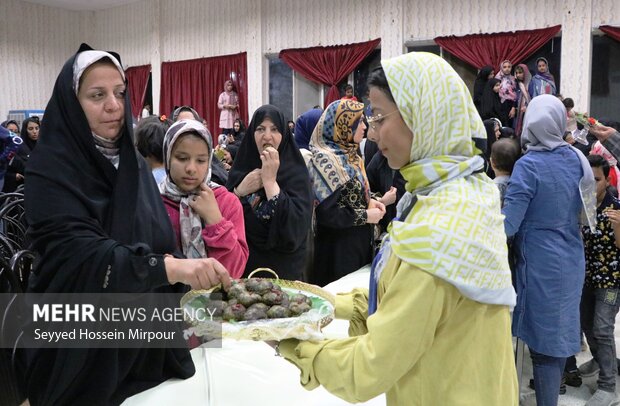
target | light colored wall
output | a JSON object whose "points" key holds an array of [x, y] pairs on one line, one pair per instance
{"points": [[33, 49], [35, 41]]}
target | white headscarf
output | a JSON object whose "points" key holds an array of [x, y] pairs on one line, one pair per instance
{"points": [[87, 58]]}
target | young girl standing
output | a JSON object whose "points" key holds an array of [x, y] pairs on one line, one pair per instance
{"points": [[207, 218]]}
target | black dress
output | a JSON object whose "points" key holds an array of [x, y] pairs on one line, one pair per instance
{"points": [[343, 240], [95, 229], [278, 242]]}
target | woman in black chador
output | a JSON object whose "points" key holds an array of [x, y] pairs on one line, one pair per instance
{"points": [[98, 225]]}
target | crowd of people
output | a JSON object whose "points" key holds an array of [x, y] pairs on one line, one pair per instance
{"points": [[467, 205]]}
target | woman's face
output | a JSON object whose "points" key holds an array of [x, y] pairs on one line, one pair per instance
{"points": [[189, 162], [237, 126], [229, 86], [102, 97], [391, 134], [496, 87], [33, 130], [359, 132], [542, 66], [267, 135], [291, 126], [498, 133], [13, 128], [491, 75]]}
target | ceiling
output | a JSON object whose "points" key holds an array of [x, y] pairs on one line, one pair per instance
{"points": [[83, 5]]}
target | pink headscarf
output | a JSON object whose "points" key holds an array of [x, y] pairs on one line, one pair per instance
{"points": [[508, 84], [599, 149]]}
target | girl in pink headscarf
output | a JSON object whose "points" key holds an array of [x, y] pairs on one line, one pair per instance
{"points": [[228, 103]]}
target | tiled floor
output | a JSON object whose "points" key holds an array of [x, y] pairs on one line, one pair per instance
{"points": [[574, 396]]}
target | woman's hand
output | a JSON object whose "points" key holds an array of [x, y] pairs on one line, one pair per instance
{"points": [[205, 204], [602, 132], [375, 212], [250, 184], [389, 197], [271, 163], [199, 273]]}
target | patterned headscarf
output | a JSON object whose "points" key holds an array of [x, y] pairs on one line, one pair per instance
{"points": [[507, 84], [334, 153], [543, 130], [455, 230], [192, 244]]}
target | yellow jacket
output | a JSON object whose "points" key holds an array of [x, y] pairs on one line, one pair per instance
{"points": [[427, 344]]}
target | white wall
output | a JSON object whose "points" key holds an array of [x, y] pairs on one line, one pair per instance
{"points": [[36, 40]]}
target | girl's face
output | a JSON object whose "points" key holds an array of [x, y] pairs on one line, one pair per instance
{"points": [[601, 183], [189, 163], [13, 128], [496, 87], [491, 75], [542, 66], [33, 130], [102, 97], [498, 133], [506, 68], [229, 86], [390, 133], [267, 135], [237, 126], [519, 74]]}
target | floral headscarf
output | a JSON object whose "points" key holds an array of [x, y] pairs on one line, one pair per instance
{"points": [[455, 230], [334, 153], [507, 84], [192, 244]]}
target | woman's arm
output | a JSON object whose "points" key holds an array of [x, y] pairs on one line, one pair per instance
{"points": [[399, 333]]}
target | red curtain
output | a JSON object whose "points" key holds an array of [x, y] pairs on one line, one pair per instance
{"points": [[199, 82], [137, 81], [613, 32], [492, 49], [328, 65]]}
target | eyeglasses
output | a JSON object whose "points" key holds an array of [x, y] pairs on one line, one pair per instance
{"points": [[375, 121]]}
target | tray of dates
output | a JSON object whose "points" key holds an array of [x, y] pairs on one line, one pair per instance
{"points": [[259, 309]]}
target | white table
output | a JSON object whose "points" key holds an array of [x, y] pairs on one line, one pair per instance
{"points": [[246, 372]]}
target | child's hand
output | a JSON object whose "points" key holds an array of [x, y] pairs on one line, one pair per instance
{"points": [[613, 216], [206, 206]]}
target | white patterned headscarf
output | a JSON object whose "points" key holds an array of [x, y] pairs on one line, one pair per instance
{"points": [[192, 244], [455, 230], [543, 130]]}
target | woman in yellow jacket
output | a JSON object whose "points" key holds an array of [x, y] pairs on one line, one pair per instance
{"points": [[434, 327]]}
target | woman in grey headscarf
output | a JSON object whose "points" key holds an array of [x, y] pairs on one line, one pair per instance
{"points": [[549, 188]]}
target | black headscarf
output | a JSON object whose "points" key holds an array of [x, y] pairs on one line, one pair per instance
{"points": [[94, 229], [479, 83], [491, 106], [281, 242]]}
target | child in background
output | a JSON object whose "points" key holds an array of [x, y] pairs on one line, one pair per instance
{"points": [[348, 93], [195, 203], [599, 300], [504, 154], [571, 122]]}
